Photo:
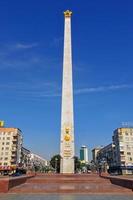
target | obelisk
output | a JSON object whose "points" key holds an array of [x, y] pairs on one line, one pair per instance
{"points": [[67, 121]]}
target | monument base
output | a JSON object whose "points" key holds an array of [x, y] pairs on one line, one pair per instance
{"points": [[67, 166]]}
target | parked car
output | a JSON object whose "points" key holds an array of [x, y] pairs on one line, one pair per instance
{"points": [[5, 173]]}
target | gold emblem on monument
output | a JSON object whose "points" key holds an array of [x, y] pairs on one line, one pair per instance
{"points": [[67, 136]]}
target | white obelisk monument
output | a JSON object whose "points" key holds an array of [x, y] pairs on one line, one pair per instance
{"points": [[67, 121]]}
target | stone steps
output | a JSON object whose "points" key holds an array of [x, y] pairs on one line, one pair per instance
{"points": [[67, 179], [69, 188], [69, 184], [36, 181]]}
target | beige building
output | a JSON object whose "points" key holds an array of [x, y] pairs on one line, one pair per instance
{"points": [[10, 148], [105, 156], [37, 160], [95, 152], [123, 153], [25, 158]]}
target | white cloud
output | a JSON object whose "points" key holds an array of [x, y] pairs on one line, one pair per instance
{"points": [[103, 88], [38, 90], [33, 90], [25, 46]]}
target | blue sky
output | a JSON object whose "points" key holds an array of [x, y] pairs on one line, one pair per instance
{"points": [[31, 56]]}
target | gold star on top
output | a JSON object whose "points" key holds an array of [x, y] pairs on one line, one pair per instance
{"points": [[67, 13]]}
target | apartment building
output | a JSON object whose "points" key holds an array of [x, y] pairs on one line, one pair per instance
{"points": [[123, 153], [95, 152], [10, 148], [37, 160], [25, 158], [106, 155]]}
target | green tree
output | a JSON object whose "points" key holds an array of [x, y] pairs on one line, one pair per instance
{"points": [[36, 168], [55, 162], [77, 163]]}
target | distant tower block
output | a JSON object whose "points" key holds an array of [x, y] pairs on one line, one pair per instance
{"points": [[67, 121]]}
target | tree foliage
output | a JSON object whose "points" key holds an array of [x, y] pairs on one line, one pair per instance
{"points": [[55, 162], [77, 163]]}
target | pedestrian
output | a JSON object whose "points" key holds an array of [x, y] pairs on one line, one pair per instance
{"points": [[100, 171]]}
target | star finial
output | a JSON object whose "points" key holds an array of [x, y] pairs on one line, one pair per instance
{"points": [[67, 13]]}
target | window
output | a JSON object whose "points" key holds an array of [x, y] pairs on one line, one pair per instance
{"points": [[3, 138], [0, 163], [2, 153], [7, 148], [126, 133], [128, 148], [8, 138], [122, 157], [7, 143], [130, 159], [1, 158], [15, 143], [128, 153], [5, 163], [2, 148], [3, 143], [121, 139], [6, 153], [121, 147], [6, 158], [131, 130], [127, 138], [122, 163]]}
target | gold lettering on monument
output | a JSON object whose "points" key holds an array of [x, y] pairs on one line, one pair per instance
{"points": [[67, 145]]}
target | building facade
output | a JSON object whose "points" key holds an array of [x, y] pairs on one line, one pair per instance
{"points": [[25, 158], [119, 154], [84, 154], [37, 161], [105, 156], [10, 148], [94, 153], [123, 153]]}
